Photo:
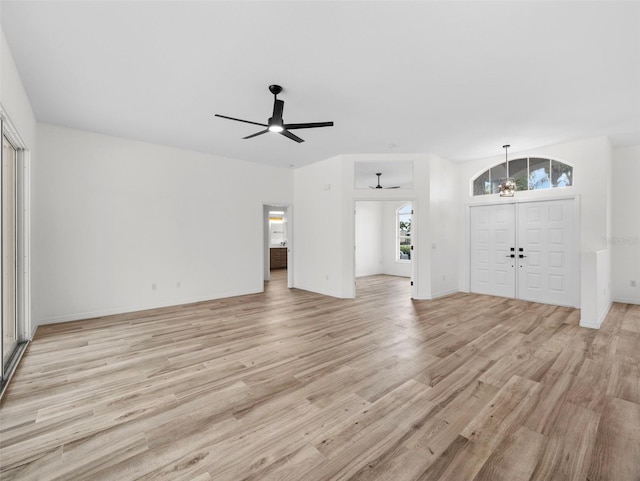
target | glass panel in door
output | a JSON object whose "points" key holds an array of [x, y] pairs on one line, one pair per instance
{"points": [[9, 330]]}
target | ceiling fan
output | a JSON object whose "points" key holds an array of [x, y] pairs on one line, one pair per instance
{"points": [[380, 187], [275, 122]]}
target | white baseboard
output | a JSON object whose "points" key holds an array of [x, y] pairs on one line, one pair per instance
{"points": [[624, 300], [317, 291], [139, 307], [444, 293], [598, 323]]}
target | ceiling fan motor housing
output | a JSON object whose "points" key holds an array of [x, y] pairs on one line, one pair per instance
{"points": [[275, 89]]}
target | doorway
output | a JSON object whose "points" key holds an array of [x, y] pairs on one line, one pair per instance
{"points": [[525, 251], [277, 254], [383, 240]]}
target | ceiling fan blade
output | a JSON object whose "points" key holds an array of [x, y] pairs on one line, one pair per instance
{"points": [[256, 134], [393, 187], [291, 136], [278, 107], [309, 125], [240, 120]]}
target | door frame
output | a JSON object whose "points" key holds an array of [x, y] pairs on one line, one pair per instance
{"points": [[25, 328], [265, 245], [513, 200], [415, 275]]}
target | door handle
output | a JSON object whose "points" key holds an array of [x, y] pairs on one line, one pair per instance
{"points": [[511, 255], [521, 256]]}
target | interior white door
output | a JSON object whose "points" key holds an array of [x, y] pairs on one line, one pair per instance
{"points": [[493, 246], [546, 252]]}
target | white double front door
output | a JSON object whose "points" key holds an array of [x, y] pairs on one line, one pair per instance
{"points": [[525, 251]]}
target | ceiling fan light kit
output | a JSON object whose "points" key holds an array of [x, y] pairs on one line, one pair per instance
{"points": [[507, 185], [276, 123]]}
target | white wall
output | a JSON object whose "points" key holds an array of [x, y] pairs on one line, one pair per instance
{"points": [[595, 300], [446, 221], [112, 217], [369, 233], [318, 228], [13, 98], [625, 236]]}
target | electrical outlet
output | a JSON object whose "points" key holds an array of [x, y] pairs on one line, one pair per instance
{"points": [[632, 283], [154, 287], [179, 284]]}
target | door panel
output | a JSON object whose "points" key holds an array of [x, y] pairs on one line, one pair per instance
{"points": [[492, 238], [8, 247], [547, 272]]}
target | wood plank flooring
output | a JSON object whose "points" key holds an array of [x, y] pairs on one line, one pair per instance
{"points": [[291, 385]]}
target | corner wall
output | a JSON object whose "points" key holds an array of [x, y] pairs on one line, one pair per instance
{"points": [[625, 236], [376, 239], [318, 228]]}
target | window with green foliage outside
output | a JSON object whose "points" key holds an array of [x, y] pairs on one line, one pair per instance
{"points": [[404, 232]]}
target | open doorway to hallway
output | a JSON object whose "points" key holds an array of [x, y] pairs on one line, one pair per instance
{"points": [[277, 242], [383, 243]]}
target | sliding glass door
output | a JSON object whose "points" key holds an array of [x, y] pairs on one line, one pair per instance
{"points": [[9, 253]]}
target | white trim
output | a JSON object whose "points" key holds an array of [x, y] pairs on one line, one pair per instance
{"points": [[514, 200], [23, 304], [598, 323], [397, 222], [24, 263], [320, 292], [626, 300], [444, 293], [289, 217]]}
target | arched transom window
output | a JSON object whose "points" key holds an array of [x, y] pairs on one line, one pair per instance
{"points": [[530, 173]]}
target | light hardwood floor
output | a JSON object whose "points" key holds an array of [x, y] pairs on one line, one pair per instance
{"points": [[291, 385]]}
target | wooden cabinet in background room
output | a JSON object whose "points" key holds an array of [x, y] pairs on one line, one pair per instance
{"points": [[278, 258]]}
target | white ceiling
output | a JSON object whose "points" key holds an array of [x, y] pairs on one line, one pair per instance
{"points": [[457, 79]]}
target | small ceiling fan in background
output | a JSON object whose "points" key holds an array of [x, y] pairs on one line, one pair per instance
{"points": [[276, 123], [380, 187]]}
